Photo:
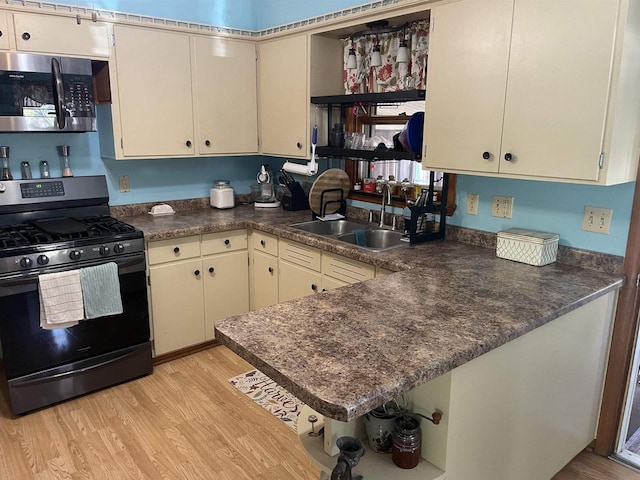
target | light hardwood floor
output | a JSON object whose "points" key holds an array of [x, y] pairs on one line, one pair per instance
{"points": [[183, 422]]}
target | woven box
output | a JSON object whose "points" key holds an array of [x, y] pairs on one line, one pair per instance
{"points": [[527, 246]]}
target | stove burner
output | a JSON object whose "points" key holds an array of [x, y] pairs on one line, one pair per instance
{"points": [[58, 230]]}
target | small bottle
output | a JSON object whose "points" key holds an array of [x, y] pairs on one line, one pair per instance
{"points": [[64, 150], [6, 169], [25, 170], [44, 169]]}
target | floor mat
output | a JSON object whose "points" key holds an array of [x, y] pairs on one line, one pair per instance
{"points": [[268, 394]]}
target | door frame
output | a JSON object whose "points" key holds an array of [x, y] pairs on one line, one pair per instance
{"points": [[623, 338]]}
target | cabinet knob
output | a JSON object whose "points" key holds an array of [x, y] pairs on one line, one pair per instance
{"points": [[0, 33], [197, 273], [324, 289], [314, 287], [26, 36], [188, 143], [263, 243], [207, 143], [508, 157], [227, 242], [211, 270], [270, 269], [299, 145], [176, 250], [486, 155]]}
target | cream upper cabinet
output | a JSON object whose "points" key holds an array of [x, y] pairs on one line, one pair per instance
{"points": [[154, 100], [60, 35], [225, 96], [524, 90], [283, 96]]}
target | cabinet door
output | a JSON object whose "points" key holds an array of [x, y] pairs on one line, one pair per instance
{"points": [[4, 31], [557, 93], [296, 282], [329, 283], [60, 35], [265, 280], [283, 96], [154, 89], [225, 92], [226, 287], [466, 81], [177, 305]]}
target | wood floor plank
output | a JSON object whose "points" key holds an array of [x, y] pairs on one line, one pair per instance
{"points": [[184, 422]]}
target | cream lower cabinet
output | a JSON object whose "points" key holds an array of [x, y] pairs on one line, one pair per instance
{"points": [[264, 270], [195, 282], [521, 89], [337, 270], [298, 270]]}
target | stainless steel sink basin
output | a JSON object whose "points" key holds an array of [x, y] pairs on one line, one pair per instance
{"points": [[333, 227], [376, 239]]}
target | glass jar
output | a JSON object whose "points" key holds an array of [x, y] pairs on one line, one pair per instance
{"points": [[407, 440]]}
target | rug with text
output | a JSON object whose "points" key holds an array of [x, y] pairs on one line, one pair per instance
{"points": [[269, 395]]}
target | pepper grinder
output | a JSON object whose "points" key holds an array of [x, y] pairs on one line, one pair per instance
{"points": [[63, 151], [6, 170]]}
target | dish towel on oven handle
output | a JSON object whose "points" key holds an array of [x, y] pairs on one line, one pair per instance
{"points": [[101, 290], [61, 303]]}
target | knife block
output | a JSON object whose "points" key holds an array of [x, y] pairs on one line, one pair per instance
{"points": [[295, 199]]}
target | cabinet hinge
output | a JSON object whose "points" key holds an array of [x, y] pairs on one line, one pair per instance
{"points": [[638, 280], [601, 161], [113, 39], [149, 280], [121, 143]]}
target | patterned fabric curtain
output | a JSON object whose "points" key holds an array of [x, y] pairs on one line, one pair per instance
{"points": [[391, 76]]}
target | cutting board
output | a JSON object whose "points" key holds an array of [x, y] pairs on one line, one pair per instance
{"points": [[329, 179]]}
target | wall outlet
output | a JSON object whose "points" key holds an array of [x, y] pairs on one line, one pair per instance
{"points": [[472, 203], [501, 206], [125, 186], [597, 220]]}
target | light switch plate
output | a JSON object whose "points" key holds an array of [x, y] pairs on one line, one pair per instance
{"points": [[597, 220], [472, 203], [501, 206], [125, 186]]}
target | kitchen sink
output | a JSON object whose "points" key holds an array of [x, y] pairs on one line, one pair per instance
{"points": [[376, 239], [333, 227]]}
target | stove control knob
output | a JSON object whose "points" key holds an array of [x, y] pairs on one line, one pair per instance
{"points": [[43, 260], [74, 255], [25, 262], [118, 248], [104, 250]]}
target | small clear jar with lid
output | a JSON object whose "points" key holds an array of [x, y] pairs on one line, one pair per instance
{"points": [[222, 195]]}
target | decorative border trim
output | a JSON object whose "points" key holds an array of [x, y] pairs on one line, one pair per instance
{"points": [[203, 27]]}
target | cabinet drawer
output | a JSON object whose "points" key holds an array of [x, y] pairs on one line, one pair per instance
{"points": [[220, 242], [162, 251], [300, 254], [265, 242], [346, 269]]}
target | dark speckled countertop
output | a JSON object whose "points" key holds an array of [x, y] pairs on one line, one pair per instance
{"points": [[349, 350]]}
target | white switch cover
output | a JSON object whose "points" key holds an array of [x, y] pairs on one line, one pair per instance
{"points": [[597, 220], [501, 206], [125, 186], [472, 203]]}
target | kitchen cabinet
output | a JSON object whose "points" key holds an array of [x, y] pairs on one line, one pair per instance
{"points": [[518, 88], [264, 271], [225, 265], [194, 282], [283, 96], [329, 283], [58, 35], [347, 270], [177, 308], [298, 270], [4, 31], [225, 101]]}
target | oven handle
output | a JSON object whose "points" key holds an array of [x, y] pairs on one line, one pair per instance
{"points": [[58, 93], [45, 378]]}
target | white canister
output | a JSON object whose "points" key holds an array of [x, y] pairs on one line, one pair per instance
{"points": [[222, 195]]}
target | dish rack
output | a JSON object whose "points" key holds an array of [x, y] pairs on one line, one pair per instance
{"points": [[324, 202], [428, 221]]}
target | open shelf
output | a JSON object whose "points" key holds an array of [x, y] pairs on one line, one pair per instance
{"points": [[372, 466], [366, 154], [387, 97]]}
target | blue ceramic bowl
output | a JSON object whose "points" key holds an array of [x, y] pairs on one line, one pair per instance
{"points": [[415, 129]]}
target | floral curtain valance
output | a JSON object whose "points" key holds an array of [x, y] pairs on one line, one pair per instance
{"points": [[391, 76]]}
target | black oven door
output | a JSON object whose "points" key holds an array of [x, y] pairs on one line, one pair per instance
{"points": [[27, 348]]}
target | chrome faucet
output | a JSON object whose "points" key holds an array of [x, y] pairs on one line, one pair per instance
{"points": [[386, 200]]}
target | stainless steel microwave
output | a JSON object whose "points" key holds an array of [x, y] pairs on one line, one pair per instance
{"points": [[42, 93]]}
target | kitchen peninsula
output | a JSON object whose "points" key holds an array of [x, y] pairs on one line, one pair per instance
{"points": [[512, 355]]}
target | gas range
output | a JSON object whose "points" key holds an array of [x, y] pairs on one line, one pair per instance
{"points": [[49, 224]]}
